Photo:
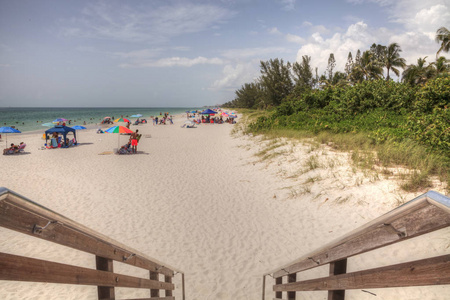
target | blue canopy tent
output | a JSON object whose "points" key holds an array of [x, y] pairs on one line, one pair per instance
{"points": [[64, 130], [208, 112]]}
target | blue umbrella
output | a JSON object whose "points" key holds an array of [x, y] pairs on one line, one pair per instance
{"points": [[78, 127], [8, 130], [208, 112]]}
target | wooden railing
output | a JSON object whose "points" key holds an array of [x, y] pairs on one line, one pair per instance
{"points": [[22, 215], [424, 214]]}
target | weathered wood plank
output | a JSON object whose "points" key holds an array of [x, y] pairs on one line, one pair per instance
{"points": [[154, 298], [291, 278], [104, 264], [168, 279], [279, 281], [154, 292], [183, 289], [336, 268], [417, 221], [19, 268], [24, 220], [264, 288], [430, 271]]}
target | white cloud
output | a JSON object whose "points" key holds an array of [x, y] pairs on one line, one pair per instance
{"points": [[418, 22], [357, 36], [233, 77], [274, 30], [288, 4], [315, 28], [104, 20], [174, 61], [140, 54], [294, 38], [260, 53]]}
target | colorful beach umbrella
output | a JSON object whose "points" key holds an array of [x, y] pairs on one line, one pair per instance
{"points": [[122, 120], [8, 130], [118, 129], [59, 120]]}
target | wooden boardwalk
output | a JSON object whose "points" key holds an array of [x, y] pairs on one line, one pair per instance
{"points": [[23, 215], [426, 213]]}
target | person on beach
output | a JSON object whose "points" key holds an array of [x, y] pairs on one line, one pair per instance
{"points": [[12, 148], [134, 140]]}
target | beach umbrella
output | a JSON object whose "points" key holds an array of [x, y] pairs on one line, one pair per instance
{"points": [[208, 112], [136, 116], [59, 120], [8, 130], [78, 127], [122, 120], [118, 129]]}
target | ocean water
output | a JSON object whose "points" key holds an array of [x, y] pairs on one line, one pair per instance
{"points": [[32, 118]]}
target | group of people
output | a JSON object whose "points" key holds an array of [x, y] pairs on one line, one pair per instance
{"points": [[162, 119], [131, 146], [13, 148]]}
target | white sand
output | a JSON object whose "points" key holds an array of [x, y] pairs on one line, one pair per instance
{"points": [[201, 201]]}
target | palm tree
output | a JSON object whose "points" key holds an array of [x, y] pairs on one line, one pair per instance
{"points": [[368, 68], [418, 74], [443, 37], [442, 65], [392, 59]]}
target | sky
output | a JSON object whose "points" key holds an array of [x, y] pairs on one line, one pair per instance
{"points": [[152, 53]]}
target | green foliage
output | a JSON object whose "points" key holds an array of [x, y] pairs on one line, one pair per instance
{"points": [[430, 121]]}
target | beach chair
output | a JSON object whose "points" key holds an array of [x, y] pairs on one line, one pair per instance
{"points": [[21, 148], [9, 152]]}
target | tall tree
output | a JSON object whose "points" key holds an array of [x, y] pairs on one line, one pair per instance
{"points": [[392, 59], [368, 68], [303, 74], [443, 37], [378, 52], [330, 67], [418, 74], [358, 57], [442, 65], [248, 96], [349, 64], [276, 80]]}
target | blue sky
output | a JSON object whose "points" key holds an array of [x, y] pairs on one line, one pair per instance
{"points": [[188, 53]]}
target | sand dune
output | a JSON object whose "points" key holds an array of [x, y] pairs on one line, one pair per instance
{"points": [[200, 200]]}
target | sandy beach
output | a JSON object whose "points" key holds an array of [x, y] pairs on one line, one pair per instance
{"points": [[201, 200]]}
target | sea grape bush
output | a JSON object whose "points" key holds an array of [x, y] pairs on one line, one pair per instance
{"points": [[385, 110]]}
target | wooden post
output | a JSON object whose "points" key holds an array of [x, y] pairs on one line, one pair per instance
{"points": [[169, 280], [336, 268], [104, 264], [279, 295], [182, 286], [264, 287], [154, 276], [291, 278]]}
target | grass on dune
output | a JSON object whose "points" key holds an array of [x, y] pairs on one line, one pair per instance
{"points": [[380, 158]]}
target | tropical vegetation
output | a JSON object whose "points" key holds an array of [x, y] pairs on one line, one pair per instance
{"points": [[411, 116]]}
